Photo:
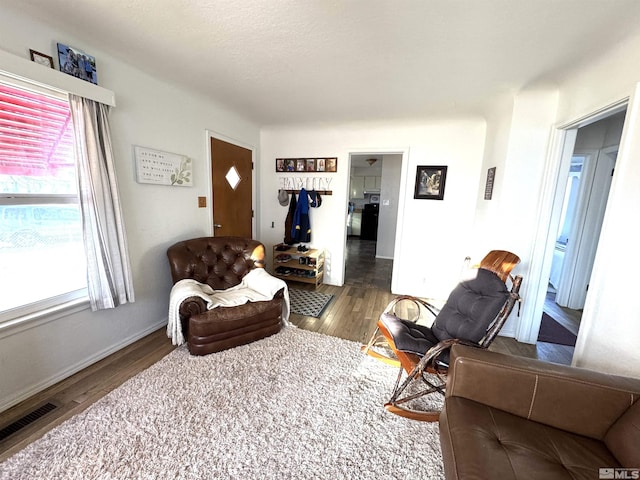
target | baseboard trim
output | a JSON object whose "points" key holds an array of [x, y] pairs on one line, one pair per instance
{"points": [[509, 332], [37, 388]]}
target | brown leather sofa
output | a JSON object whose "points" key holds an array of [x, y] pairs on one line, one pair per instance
{"points": [[508, 417], [222, 262]]}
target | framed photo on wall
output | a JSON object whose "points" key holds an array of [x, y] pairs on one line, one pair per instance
{"points": [[324, 164], [430, 181], [77, 63], [41, 58]]}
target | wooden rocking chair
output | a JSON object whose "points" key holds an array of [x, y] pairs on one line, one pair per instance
{"points": [[473, 315]]}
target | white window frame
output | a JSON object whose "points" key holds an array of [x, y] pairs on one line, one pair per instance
{"points": [[24, 73], [63, 301]]}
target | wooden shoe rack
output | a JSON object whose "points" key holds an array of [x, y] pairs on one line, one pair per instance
{"points": [[309, 270]]}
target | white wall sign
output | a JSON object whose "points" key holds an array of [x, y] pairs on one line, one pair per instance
{"points": [[308, 183], [162, 168]]}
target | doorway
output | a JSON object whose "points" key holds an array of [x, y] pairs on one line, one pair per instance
{"points": [[372, 215], [586, 191], [231, 188]]}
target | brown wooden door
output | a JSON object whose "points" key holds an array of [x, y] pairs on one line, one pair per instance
{"points": [[232, 189]]}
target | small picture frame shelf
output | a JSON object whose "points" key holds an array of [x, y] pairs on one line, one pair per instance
{"points": [[311, 271]]}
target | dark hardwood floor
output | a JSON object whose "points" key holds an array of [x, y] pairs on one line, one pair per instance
{"points": [[351, 315], [566, 317]]}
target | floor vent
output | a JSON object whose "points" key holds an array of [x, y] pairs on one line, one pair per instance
{"points": [[26, 420]]}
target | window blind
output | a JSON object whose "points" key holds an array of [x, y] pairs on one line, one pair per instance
{"points": [[36, 138]]}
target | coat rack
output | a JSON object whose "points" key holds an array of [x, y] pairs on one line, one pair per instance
{"points": [[321, 192]]}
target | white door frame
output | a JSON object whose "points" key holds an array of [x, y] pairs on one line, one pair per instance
{"points": [[404, 152], [549, 209]]}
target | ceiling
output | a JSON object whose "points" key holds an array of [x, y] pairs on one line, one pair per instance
{"points": [[360, 161], [319, 61]]}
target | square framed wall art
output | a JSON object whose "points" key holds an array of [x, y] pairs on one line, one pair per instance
{"points": [[430, 181]]}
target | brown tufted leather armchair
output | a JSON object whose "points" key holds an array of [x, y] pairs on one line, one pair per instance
{"points": [[221, 263]]}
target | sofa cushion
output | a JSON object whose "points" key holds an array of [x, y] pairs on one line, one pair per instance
{"points": [[573, 399], [623, 438], [482, 442]]}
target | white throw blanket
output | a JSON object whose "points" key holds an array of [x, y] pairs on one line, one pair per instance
{"points": [[256, 286]]}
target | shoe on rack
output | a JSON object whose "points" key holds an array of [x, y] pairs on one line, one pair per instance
{"points": [[302, 248], [284, 271], [283, 257]]}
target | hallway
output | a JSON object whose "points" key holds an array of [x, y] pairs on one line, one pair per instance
{"points": [[363, 269]]}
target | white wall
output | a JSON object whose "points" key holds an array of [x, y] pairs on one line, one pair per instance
{"points": [[610, 329], [148, 113], [388, 210], [610, 326], [487, 219], [434, 235], [518, 145]]}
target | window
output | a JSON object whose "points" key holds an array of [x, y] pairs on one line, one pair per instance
{"points": [[42, 260], [570, 202]]}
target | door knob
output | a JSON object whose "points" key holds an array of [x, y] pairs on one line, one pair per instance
{"points": [[217, 225]]}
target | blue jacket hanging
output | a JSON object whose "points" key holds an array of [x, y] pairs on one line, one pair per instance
{"points": [[301, 228]]}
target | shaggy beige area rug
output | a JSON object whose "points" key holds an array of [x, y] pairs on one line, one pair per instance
{"points": [[296, 405]]}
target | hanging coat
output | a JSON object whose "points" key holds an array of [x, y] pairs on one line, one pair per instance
{"points": [[288, 222], [301, 229]]}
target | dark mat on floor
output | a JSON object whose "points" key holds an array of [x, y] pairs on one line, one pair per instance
{"points": [[552, 332], [308, 303]]}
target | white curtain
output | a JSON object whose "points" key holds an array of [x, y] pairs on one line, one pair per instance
{"points": [[108, 268]]}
